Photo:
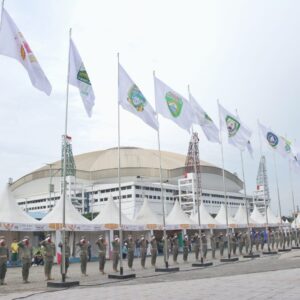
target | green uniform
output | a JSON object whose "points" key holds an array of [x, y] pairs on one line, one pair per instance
{"points": [[213, 244], [221, 244], [144, 246], [175, 248], [130, 252], [276, 234], [246, 242], [196, 241], [233, 242], [115, 254], [101, 243], [67, 256], [204, 246], [288, 239], [49, 253], [4, 254], [262, 240], [83, 246], [280, 239], [272, 239], [186, 244], [240, 239], [25, 250], [153, 251]]}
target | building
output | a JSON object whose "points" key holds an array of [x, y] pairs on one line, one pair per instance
{"points": [[97, 179]]}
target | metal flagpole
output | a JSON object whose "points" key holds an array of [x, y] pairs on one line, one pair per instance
{"points": [[224, 187], [162, 196], [119, 180], [63, 233], [265, 202], [2, 6], [293, 199]]}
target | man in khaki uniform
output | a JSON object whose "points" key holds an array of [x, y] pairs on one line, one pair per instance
{"points": [[4, 254], [130, 251], [49, 253], [186, 245], [196, 241], [144, 246], [115, 252], [101, 243], [221, 244], [233, 243], [204, 245], [83, 245], [213, 245], [67, 255], [175, 244], [25, 250], [153, 243]]}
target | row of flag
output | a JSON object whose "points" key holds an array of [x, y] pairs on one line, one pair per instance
{"points": [[170, 104]]}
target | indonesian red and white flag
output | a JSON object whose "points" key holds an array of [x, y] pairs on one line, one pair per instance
{"points": [[14, 45]]}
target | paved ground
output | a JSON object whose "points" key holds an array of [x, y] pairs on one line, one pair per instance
{"points": [[268, 277]]}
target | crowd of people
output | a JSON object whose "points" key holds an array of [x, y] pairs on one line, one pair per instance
{"points": [[245, 242]]}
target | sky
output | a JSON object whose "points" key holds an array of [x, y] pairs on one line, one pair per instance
{"points": [[244, 53]]}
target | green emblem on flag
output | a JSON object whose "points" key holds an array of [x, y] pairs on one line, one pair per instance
{"points": [[136, 98], [233, 126], [287, 146], [175, 103], [206, 116], [83, 76]]}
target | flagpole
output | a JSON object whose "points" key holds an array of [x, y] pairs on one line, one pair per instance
{"points": [[119, 181], [63, 269], [2, 7], [265, 202], [293, 199], [162, 194], [224, 186], [198, 186]]}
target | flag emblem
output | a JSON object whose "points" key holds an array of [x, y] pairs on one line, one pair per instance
{"points": [[233, 125], [272, 139], [207, 117], [83, 76], [175, 104], [136, 98]]}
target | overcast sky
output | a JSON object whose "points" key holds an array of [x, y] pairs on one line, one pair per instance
{"points": [[244, 53]]}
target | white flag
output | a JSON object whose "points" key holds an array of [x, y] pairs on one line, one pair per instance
{"points": [[250, 149], [238, 133], [201, 118], [172, 105], [14, 45], [273, 140], [78, 77], [132, 99]]}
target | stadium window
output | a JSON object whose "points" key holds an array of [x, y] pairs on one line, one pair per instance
{"points": [[137, 187]]}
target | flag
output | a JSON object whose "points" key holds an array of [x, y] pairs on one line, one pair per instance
{"points": [[273, 140], [287, 147], [201, 118], [78, 77], [172, 105], [132, 99], [238, 133], [14, 45], [250, 149]]}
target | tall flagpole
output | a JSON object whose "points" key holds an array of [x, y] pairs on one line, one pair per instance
{"points": [[119, 180], [162, 194], [224, 186], [265, 201], [63, 232], [2, 6], [293, 199]]}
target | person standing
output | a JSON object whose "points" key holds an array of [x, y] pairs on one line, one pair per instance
{"points": [[4, 255], [204, 245], [144, 245], [240, 242], [153, 244], [67, 255], [175, 244], [221, 244], [262, 240], [277, 238], [186, 245], [49, 253], [281, 239], [101, 243], [115, 252], [14, 248], [272, 238], [196, 242], [213, 244], [83, 245], [25, 249], [130, 251], [233, 242]]}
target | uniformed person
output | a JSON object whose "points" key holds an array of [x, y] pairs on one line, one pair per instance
{"points": [[257, 240], [288, 239], [221, 244], [115, 252], [130, 251], [213, 244], [144, 245], [276, 238], [4, 254], [293, 237], [240, 239], [25, 250], [262, 240], [272, 238], [101, 243], [196, 242], [186, 245], [83, 245], [153, 244], [67, 255], [175, 244], [246, 241], [204, 245], [49, 253], [281, 239], [233, 243]]}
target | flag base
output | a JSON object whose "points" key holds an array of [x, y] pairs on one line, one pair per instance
{"points": [[119, 276], [174, 269], [251, 256], [269, 252], [232, 259], [204, 264], [60, 284], [284, 250]]}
